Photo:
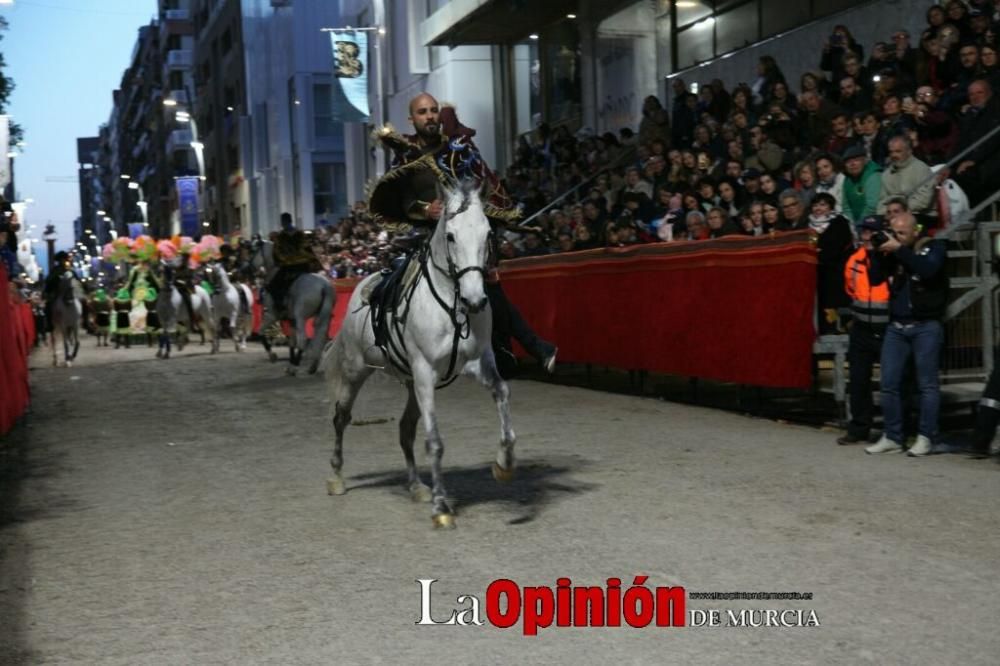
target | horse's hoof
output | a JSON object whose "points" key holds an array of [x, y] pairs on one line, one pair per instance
{"points": [[502, 475], [444, 521], [335, 486], [69, 364], [313, 367], [290, 371], [159, 354], [272, 356], [421, 493]]}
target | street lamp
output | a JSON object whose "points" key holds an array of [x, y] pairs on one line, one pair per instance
{"points": [[141, 203]]}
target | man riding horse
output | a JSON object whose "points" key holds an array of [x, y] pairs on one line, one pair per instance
{"points": [[294, 257], [440, 153], [61, 264], [184, 281]]}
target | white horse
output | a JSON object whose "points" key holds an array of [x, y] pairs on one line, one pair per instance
{"points": [[439, 328], [226, 305], [309, 296], [66, 315], [172, 311]]}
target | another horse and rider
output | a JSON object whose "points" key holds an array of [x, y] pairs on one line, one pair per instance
{"points": [[180, 305], [232, 304], [295, 292], [433, 318], [64, 295]]}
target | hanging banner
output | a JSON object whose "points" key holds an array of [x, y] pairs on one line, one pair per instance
{"points": [[350, 68], [4, 149], [187, 203]]}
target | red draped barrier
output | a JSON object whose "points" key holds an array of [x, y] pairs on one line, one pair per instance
{"points": [[735, 309], [17, 335], [344, 290]]}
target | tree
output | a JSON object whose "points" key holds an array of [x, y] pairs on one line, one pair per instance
{"points": [[6, 88]]}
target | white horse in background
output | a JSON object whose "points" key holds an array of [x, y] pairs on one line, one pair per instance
{"points": [[439, 328], [226, 305], [67, 313], [172, 311]]}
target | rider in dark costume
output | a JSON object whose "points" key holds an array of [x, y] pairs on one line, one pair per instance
{"points": [[294, 257], [439, 154], [184, 281]]}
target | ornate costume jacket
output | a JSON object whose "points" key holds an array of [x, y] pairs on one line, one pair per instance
{"points": [[400, 197]]}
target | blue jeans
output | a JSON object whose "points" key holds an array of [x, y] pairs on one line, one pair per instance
{"points": [[922, 339]]}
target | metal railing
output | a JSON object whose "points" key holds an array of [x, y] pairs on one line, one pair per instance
{"points": [[623, 159]]}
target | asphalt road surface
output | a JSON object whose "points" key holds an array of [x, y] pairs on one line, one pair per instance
{"points": [[175, 512]]}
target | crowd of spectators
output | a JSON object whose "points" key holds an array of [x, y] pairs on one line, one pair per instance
{"points": [[751, 158], [862, 128]]}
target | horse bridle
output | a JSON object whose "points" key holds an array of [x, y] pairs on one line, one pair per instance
{"points": [[462, 328], [453, 271]]}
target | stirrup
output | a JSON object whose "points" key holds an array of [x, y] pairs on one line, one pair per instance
{"points": [[385, 355]]}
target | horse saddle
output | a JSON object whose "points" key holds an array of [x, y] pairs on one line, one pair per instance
{"points": [[385, 294]]}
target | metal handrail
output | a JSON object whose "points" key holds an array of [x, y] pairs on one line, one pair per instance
{"points": [[954, 160], [625, 157]]}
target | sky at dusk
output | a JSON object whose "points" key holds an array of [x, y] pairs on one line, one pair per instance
{"points": [[66, 57]]}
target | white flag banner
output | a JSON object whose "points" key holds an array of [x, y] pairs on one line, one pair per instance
{"points": [[350, 69], [4, 149]]}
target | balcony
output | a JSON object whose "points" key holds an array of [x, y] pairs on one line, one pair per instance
{"points": [[179, 59], [181, 97], [175, 22], [179, 140], [181, 102]]}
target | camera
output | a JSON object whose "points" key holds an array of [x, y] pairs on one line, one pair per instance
{"points": [[879, 238]]}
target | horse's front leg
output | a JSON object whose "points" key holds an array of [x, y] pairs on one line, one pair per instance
{"points": [[488, 375], [424, 380], [267, 321]]}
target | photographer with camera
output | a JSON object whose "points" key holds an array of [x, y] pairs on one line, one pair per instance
{"points": [[914, 267]]}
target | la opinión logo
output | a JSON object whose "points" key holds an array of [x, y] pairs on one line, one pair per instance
{"points": [[566, 605], [507, 604]]}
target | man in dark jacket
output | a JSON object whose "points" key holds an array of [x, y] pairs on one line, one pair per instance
{"points": [[914, 267], [978, 172], [439, 153]]}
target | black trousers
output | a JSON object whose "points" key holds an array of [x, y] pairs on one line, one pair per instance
{"points": [[864, 348], [507, 323], [988, 413]]}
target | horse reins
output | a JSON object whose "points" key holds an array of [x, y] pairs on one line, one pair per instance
{"points": [[463, 328]]}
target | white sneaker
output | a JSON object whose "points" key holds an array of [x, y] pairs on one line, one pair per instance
{"points": [[550, 362], [921, 448], [884, 445]]}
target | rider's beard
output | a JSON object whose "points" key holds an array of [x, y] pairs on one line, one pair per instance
{"points": [[429, 133]]}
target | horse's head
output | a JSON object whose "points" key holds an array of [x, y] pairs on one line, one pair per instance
{"points": [[168, 274], [67, 290], [214, 271], [461, 235]]}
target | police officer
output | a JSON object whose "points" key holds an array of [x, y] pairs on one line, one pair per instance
{"points": [[869, 317]]}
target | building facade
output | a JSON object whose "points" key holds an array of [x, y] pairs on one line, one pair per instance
{"points": [[237, 93]]}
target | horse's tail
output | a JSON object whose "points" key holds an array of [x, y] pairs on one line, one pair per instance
{"points": [[321, 324], [330, 358]]}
